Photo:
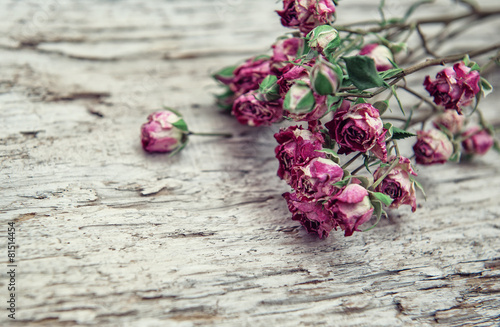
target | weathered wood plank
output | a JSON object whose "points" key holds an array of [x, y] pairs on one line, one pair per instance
{"points": [[111, 236]]}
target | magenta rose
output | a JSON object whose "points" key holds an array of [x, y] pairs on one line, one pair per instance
{"points": [[248, 110], [304, 104], [477, 141], [454, 88], [296, 147], [398, 184], [160, 135], [247, 76], [380, 54], [290, 74], [358, 128], [306, 14], [351, 208], [315, 179], [432, 147], [312, 215], [451, 120]]}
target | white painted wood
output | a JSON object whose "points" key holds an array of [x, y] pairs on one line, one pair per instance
{"points": [[111, 236]]}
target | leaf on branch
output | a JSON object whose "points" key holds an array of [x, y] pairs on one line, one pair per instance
{"points": [[390, 72], [381, 106], [384, 198], [362, 72], [399, 134], [395, 93], [181, 124], [486, 87]]}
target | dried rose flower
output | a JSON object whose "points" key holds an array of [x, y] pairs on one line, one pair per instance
{"points": [[432, 147], [296, 147], [398, 184], [323, 38], [454, 88], [382, 55], [312, 215], [477, 141], [247, 76], [351, 208], [286, 49], [165, 131], [290, 74], [315, 180], [358, 128], [248, 110], [302, 104], [451, 120], [306, 14]]}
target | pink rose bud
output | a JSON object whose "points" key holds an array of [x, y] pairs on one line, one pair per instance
{"points": [[301, 104], [323, 38], [398, 184], [358, 128], [432, 147], [477, 141], [454, 88], [248, 110], [287, 49], [311, 214], [450, 120], [351, 208], [306, 14], [315, 180], [296, 147], [165, 131], [325, 78], [382, 55]]}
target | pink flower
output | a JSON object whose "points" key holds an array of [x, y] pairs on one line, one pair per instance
{"points": [[286, 49], [351, 208], [302, 104], [451, 120], [296, 147], [432, 147], [397, 184], [358, 128], [306, 14], [454, 88], [477, 141], [380, 54], [315, 180], [247, 76], [312, 215], [160, 135], [292, 73], [248, 110]]}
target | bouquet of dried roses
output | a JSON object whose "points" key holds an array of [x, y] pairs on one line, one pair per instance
{"points": [[339, 84]]}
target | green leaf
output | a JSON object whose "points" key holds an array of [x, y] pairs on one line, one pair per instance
{"points": [[399, 134], [343, 182], [377, 211], [393, 89], [179, 149], [384, 198], [365, 182], [486, 87], [362, 72], [390, 72], [366, 162], [332, 154], [360, 100], [419, 186], [181, 124], [389, 128], [381, 106], [496, 146], [226, 72], [269, 88]]}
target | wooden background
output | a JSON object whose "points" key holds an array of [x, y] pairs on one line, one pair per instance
{"points": [[108, 235]]}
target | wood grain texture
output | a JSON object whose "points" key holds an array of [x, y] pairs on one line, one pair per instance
{"points": [[111, 236]]}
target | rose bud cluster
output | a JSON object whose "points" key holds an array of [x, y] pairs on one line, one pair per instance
{"points": [[382, 55], [398, 183], [165, 131], [454, 88], [306, 14], [477, 141], [432, 147], [358, 128]]}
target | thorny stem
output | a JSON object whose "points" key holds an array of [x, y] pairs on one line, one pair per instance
{"points": [[344, 166]]}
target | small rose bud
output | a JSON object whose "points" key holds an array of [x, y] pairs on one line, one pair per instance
{"points": [[477, 141], [454, 88], [323, 38], [249, 110], [299, 99], [325, 78], [351, 208], [165, 131], [450, 120], [380, 54], [358, 128], [432, 147], [398, 184]]}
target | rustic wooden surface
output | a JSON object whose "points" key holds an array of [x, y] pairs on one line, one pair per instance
{"points": [[111, 236]]}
